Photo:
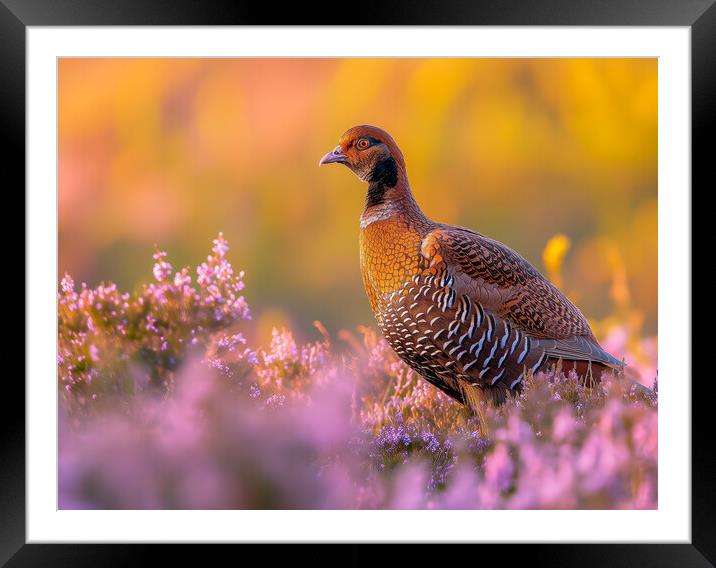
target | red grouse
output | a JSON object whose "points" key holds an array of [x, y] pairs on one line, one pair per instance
{"points": [[466, 312]]}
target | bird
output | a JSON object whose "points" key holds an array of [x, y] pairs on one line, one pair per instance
{"points": [[466, 312]]}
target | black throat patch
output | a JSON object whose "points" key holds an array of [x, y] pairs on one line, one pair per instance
{"points": [[382, 178]]}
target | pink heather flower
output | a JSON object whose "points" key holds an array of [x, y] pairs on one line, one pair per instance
{"points": [[275, 401], [204, 273], [223, 271], [221, 247], [182, 279], [151, 321], [283, 346], [250, 356], [240, 309], [67, 285], [228, 342], [214, 292], [221, 366], [162, 269]]}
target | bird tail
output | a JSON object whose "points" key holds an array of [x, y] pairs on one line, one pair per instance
{"points": [[591, 373]]}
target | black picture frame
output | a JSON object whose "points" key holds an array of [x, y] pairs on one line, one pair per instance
{"points": [[17, 15]]}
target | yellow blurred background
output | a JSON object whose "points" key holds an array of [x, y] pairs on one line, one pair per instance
{"points": [[527, 151]]}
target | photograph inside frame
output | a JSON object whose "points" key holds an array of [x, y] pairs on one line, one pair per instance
{"points": [[357, 283]]}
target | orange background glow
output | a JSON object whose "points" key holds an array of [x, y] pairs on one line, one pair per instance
{"points": [[172, 151]]}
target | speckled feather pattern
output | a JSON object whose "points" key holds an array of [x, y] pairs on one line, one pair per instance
{"points": [[436, 328], [465, 311], [533, 303]]}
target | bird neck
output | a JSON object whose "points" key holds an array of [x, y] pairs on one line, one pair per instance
{"points": [[388, 193]]}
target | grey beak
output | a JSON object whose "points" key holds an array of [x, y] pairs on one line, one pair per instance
{"points": [[335, 156]]}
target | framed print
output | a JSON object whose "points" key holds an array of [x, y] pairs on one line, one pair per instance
{"points": [[420, 276]]}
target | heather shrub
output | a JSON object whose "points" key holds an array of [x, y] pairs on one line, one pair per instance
{"points": [[165, 405], [121, 343]]}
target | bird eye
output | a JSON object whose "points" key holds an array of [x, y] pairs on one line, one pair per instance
{"points": [[362, 144]]}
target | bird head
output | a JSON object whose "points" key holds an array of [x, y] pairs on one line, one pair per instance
{"points": [[370, 153]]}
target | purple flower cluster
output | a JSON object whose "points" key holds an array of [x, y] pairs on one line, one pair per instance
{"points": [[112, 342], [315, 425], [284, 367]]}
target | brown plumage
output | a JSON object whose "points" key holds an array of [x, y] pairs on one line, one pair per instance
{"points": [[469, 314]]}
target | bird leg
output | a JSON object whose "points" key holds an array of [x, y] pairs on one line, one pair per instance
{"points": [[475, 399]]}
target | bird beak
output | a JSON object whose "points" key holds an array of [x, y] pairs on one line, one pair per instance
{"points": [[335, 156]]}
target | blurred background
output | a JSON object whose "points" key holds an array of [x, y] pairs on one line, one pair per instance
{"points": [[527, 151]]}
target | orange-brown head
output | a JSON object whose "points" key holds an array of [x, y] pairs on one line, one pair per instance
{"points": [[368, 151], [372, 154]]}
